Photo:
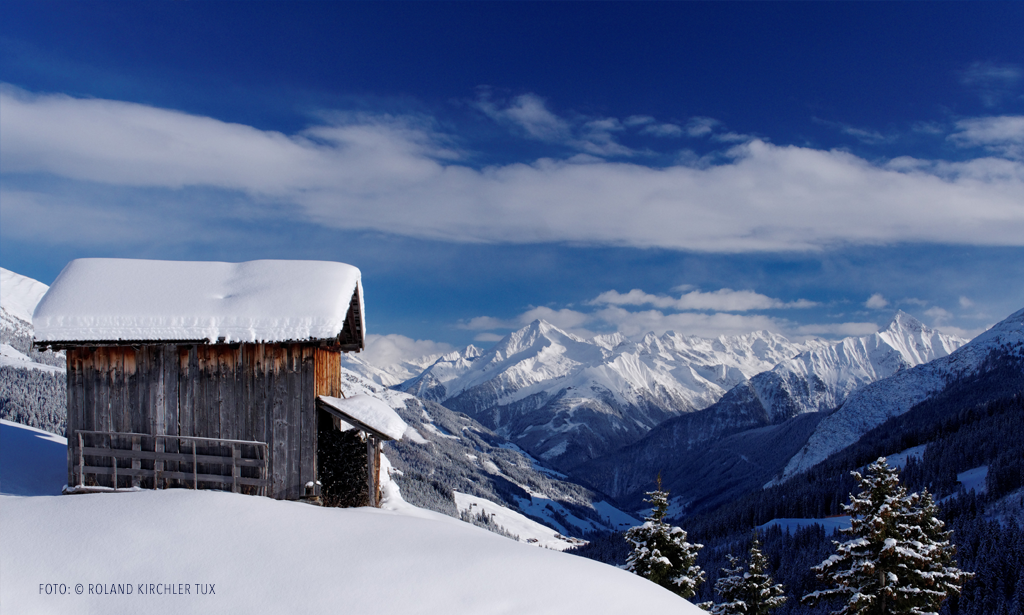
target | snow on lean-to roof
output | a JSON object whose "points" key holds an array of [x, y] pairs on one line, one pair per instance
{"points": [[109, 299], [369, 411]]}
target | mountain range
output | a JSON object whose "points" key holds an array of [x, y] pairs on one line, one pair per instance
{"points": [[739, 444], [567, 400]]}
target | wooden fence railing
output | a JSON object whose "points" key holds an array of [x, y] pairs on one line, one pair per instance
{"points": [[184, 464]]}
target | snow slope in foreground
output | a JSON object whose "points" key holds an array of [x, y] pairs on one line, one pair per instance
{"points": [[267, 556]]}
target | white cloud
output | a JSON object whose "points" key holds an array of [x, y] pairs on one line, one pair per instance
{"points": [[965, 302], [986, 73], [913, 301], [723, 300], [633, 324], [992, 81], [486, 323], [731, 137], [938, 315], [564, 319], [487, 337], [701, 126], [636, 323], [663, 130], [842, 329], [929, 128], [384, 350], [529, 112], [871, 137], [639, 120], [876, 302], [397, 175], [967, 334], [1002, 135]]}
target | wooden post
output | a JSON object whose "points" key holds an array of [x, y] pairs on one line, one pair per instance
{"points": [[113, 457], [266, 469], [371, 478], [81, 462], [195, 468], [158, 464], [136, 462], [235, 453]]}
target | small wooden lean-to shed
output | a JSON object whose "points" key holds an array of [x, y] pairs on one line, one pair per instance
{"points": [[215, 375]]}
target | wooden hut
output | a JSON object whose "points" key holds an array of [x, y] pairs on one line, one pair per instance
{"points": [[215, 375]]}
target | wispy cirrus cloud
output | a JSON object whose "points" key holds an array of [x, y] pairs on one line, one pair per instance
{"points": [[992, 81], [399, 175], [722, 300], [384, 350], [701, 126], [1003, 135], [636, 323], [530, 114], [864, 135], [706, 314]]}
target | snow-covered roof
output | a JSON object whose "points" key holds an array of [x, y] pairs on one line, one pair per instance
{"points": [[110, 300], [368, 413]]}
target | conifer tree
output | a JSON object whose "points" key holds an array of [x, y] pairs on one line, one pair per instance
{"points": [[898, 560], [661, 553], [750, 592]]}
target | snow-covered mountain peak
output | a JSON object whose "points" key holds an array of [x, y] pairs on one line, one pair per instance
{"points": [[915, 342], [875, 403], [566, 399], [903, 321], [1008, 333], [471, 352], [19, 295], [821, 378], [534, 338], [611, 341]]}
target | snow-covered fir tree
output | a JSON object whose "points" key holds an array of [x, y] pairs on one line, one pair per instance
{"points": [[937, 575], [898, 560], [660, 552], [747, 592]]}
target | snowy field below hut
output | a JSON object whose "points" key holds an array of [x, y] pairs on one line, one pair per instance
{"points": [[159, 551]]}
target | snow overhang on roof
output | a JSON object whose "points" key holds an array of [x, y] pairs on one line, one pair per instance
{"points": [[109, 300], [367, 414]]}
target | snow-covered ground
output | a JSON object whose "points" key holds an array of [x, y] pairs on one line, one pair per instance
{"points": [[973, 479], [32, 461], [830, 524], [189, 551], [899, 460], [11, 356], [516, 523]]}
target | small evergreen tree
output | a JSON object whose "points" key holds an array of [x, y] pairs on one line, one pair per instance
{"points": [[750, 592], [660, 552], [898, 561]]}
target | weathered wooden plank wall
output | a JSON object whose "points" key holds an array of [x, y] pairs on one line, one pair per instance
{"points": [[264, 392]]}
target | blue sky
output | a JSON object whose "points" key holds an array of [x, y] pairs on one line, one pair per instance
{"points": [[709, 168]]}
